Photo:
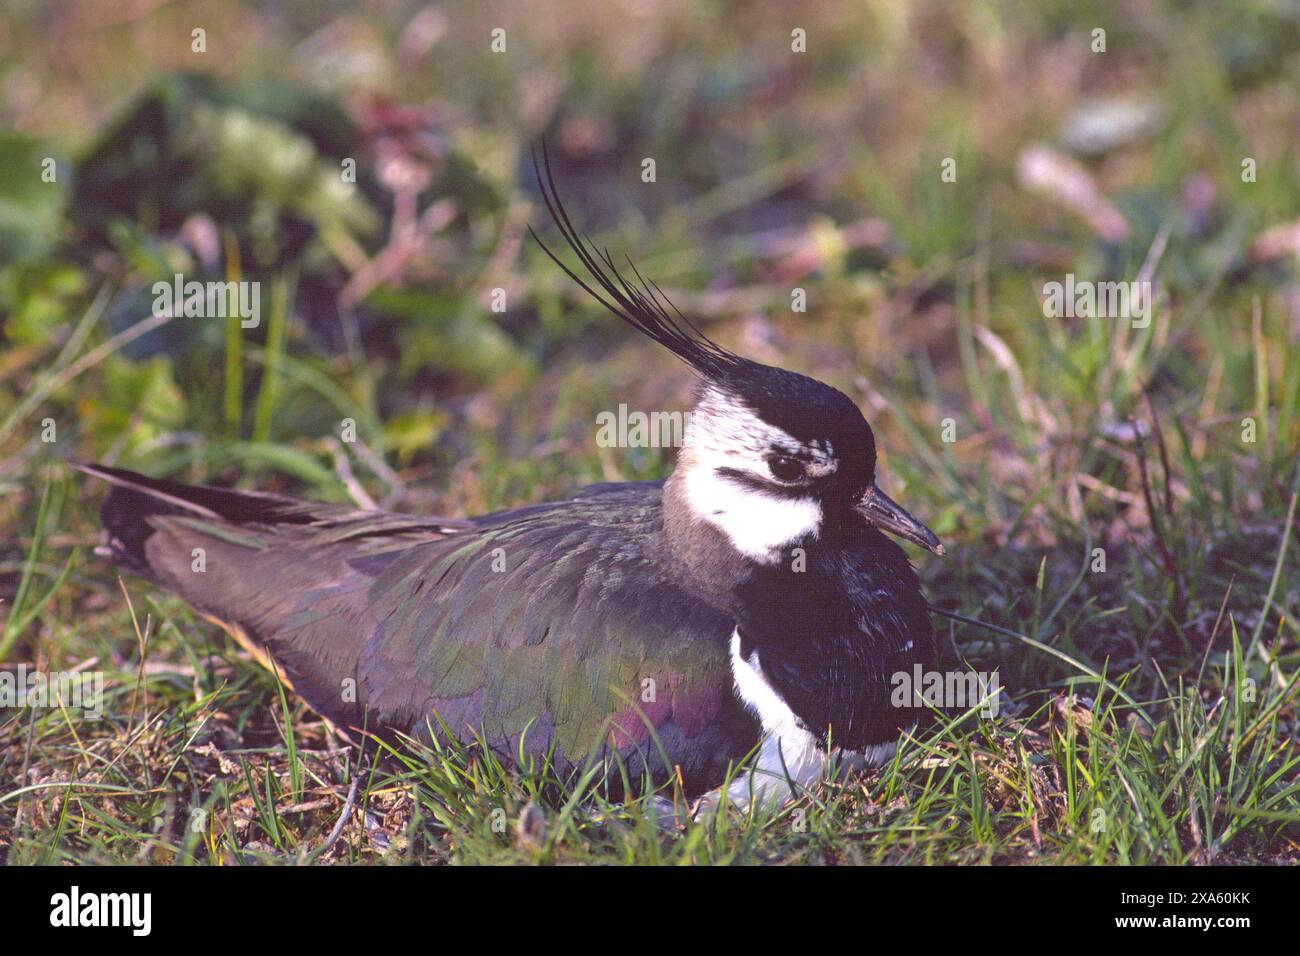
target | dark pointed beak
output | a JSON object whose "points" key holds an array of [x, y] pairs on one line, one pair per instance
{"points": [[888, 515]]}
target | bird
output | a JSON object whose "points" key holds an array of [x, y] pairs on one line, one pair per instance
{"points": [[731, 630]]}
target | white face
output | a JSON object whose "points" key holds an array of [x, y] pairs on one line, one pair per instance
{"points": [[729, 478]]}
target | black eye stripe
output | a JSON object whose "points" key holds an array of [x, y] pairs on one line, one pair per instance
{"points": [[754, 483]]}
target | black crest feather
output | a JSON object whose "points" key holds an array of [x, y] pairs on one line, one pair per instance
{"points": [[641, 304]]}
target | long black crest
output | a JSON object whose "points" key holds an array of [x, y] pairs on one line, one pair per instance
{"points": [[641, 304]]}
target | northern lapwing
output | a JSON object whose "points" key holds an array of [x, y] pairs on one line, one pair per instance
{"points": [[749, 605]]}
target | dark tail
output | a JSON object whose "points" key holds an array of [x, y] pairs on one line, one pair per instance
{"points": [[135, 498]]}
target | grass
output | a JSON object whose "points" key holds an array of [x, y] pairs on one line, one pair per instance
{"points": [[1118, 502], [220, 767]]}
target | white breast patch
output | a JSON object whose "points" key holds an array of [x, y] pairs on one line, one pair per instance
{"points": [[789, 759]]}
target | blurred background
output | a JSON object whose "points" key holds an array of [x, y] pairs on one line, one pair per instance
{"points": [[875, 193], [920, 170]]}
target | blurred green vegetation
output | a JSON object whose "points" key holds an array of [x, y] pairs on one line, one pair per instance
{"points": [[776, 170]]}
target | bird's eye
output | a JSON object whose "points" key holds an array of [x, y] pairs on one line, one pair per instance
{"points": [[785, 468]]}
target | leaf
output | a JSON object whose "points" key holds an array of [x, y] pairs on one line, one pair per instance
{"points": [[31, 209], [144, 399], [409, 433], [454, 336], [39, 297]]}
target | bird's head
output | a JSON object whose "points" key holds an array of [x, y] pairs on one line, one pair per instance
{"points": [[771, 458], [774, 459]]}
